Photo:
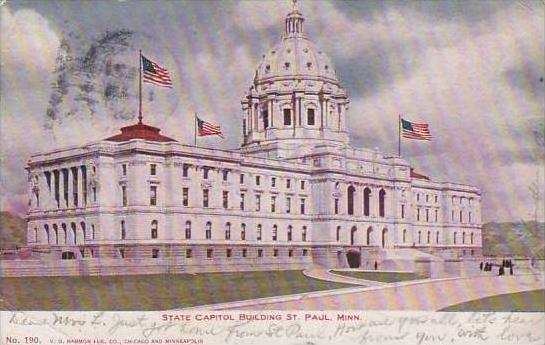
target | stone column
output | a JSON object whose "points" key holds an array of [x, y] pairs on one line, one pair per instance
{"points": [[61, 189], [70, 201], [270, 111], [54, 183], [81, 202]]}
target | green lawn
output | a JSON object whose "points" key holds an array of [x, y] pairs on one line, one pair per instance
{"points": [[151, 292], [385, 277], [518, 301]]}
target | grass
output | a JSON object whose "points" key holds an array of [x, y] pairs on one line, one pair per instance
{"points": [[384, 277], [518, 301], [151, 292]]}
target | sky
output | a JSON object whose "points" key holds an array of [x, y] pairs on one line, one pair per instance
{"points": [[473, 70]]}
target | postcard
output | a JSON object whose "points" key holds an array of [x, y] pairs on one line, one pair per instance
{"points": [[272, 172]]}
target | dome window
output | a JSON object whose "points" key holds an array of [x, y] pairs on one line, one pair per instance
{"points": [[309, 65], [305, 50], [273, 52], [326, 67], [268, 68], [286, 65]]}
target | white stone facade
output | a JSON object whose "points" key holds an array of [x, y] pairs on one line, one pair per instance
{"points": [[294, 194]]}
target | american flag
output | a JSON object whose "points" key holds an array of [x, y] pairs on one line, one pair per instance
{"points": [[418, 131], [206, 128], [155, 74]]}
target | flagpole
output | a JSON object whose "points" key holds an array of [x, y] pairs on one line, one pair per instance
{"points": [[140, 89], [195, 131], [399, 135]]}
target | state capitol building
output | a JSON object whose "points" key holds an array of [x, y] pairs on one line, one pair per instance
{"points": [[295, 193]]}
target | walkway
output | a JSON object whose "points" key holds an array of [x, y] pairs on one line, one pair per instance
{"points": [[325, 274]]}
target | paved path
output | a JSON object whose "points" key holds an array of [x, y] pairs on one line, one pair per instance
{"points": [[424, 295], [325, 274]]}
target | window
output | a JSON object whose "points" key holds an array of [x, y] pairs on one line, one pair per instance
{"points": [[209, 253], [244, 252], [124, 195], [304, 234], [154, 228], [275, 252], [302, 206], [381, 200], [273, 181], [273, 204], [287, 117], [229, 252], [437, 237], [427, 197], [243, 232], [153, 169], [94, 189], [265, 116], [260, 253], [241, 178], [463, 238], [402, 211], [471, 238], [123, 232], [46, 227], [302, 185], [242, 201], [208, 231], [225, 174], [188, 230], [427, 215], [275, 232], [290, 253], [185, 170], [428, 238], [258, 202], [188, 253], [305, 252], [259, 232], [418, 214], [205, 171], [455, 235], [404, 235], [350, 200], [288, 183], [185, 196], [153, 195], [155, 253], [436, 199], [461, 216], [288, 204], [205, 198], [336, 206], [436, 215], [124, 169], [290, 233], [417, 196], [122, 253], [366, 201], [225, 199], [469, 217], [419, 237], [228, 231], [310, 117], [452, 215], [338, 236], [258, 180]]}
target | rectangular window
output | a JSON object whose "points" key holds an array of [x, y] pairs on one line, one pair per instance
{"points": [[290, 253], [273, 181], [124, 169], [402, 211], [258, 202], [275, 233], [436, 199], [188, 253], [153, 195], [229, 252], [155, 253], [427, 215], [288, 204], [225, 199], [436, 216], [469, 217], [244, 252], [205, 198], [124, 195], [418, 214], [205, 173], [259, 232], [260, 253], [310, 117], [305, 252], [257, 180], [302, 206], [209, 253], [185, 170], [273, 204], [302, 185], [242, 201], [287, 117], [185, 196], [418, 197], [288, 183], [265, 116], [153, 169], [241, 178], [427, 197], [275, 252], [225, 175], [336, 206]]}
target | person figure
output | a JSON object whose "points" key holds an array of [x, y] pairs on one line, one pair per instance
{"points": [[501, 271], [511, 269], [376, 265], [481, 266]]}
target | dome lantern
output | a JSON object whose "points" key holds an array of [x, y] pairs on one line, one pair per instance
{"points": [[294, 22]]}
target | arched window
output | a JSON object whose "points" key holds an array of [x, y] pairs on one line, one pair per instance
{"points": [[381, 197], [46, 227], [228, 231], [304, 234], [461, 216], [188, 230], [56, 231], [83, 230], [338, 237], [353, 235], [463, 237], [74, 237], [471, 238], [437, 237], [290, 232], [369, 233], [275, 232], [65, 233], [419, 237], [123, 231], [366, 199], [93, 231], [404, 235], [350, 199], [154, 228], [455, 235], [208, 230], [259, 232], [243, 232]]}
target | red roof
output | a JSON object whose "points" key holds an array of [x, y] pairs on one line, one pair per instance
{"points": [[419, 176], [140, 131]]}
